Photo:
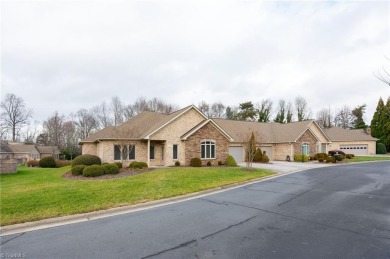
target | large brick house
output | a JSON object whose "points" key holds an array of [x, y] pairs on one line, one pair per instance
{"points": [[22, 152], [162, 139]]}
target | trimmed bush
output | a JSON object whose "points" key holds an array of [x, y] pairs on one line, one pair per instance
{"points": [[321, 155], [230, 161], [138, 165], [380, 148], [264, 158], [86, 160], [220, 163], [177, 163], [119, 164], [195, 162], [301, 158], [313, 158], [93, 171], [47, 162], [258, 155], [33, 163], [111, 168], [78, 169], [62, 163], [348, 156], [330, 159], [320, 160], [208, 163]]}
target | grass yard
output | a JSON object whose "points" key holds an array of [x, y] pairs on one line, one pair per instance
{"points": [[368, 159], [39, 193]]}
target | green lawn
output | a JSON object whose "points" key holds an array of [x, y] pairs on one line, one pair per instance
{"points": [[36, 193], [368, 159]]}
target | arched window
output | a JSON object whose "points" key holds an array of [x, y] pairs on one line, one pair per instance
{"points": [[305, 149], [207, 150]]}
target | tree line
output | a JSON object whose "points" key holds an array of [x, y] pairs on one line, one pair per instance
{"points": [[66, 131]]}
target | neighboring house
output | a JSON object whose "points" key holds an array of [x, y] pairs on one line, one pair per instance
{"points": [[162, 139], [25, 152], [352, 141]]}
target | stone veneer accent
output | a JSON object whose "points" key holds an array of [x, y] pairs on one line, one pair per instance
{"points": [[281, 151], [88, 148], [7, 167], [307, 137], [207, 132]]}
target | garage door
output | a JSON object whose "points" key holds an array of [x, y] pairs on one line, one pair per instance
{"points": [[237, 153], [268, 151], [355, 149]]}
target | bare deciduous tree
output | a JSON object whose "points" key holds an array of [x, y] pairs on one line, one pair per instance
{"points": [[249, 149], [14, 114], [70, 138], [86, 123], [290, 113], [264, 110], [302, 109], [344, 118], [217, 110], [281, 112], [204, 108], [53, 128], [325, 118], [103, 116], [117, 109], [30, 132], [383, 74]]}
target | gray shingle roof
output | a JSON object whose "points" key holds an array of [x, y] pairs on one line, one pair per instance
{"points": [[138, 127], [340, 134]]}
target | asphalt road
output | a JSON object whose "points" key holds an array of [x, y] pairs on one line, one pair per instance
{"points": [[332, 212]]}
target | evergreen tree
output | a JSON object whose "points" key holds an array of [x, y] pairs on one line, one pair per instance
{"points": [[247, 111], [358, 113], [375, 126]]}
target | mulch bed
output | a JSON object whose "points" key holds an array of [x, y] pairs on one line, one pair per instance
{"points": [[124, 172]]}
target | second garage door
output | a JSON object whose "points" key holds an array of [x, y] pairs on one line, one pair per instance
{"points": [[355, 149], [237, 153]]}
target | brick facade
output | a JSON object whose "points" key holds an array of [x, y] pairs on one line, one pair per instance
{"points": [[206, 133], [8, 167], [307, 137]]}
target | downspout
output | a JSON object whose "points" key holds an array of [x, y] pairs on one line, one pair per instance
{"points": [[148, 154]]}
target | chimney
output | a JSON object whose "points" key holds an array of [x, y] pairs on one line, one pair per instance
{"points": [[367, 131]]}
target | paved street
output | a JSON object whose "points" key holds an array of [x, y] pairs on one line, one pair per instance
{"points": [[330, 212]]}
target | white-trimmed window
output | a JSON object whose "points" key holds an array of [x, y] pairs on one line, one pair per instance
{"points": [[207, 150], [126, 155], [175, 151], [305, 149]]}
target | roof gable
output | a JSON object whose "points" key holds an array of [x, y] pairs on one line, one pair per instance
{"points": [[201, 125], [340, 134]]}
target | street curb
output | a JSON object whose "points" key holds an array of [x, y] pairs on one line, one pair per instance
{"points": [[65, 220]]}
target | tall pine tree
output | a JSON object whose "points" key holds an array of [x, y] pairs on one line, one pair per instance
{"points": [[380, 123]]}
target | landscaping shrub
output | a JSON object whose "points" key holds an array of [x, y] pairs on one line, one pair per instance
{"points": [[299, 157], [111, 168], [119, 164], [208, 163], [264, 158], [258, 155], [230, 161], [195, 162], [321, 155], [62, 163], [220, 163], [342, 157], [138, 165], [86, 160], [78, 169], [93, 171], [380, 148], [313, 158], [47, 162], [320, 160], [177, 163], [330, 159], [33, 163], [349, 156]]}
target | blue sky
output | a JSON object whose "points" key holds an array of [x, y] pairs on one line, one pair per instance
{"points": [[67, 55]]}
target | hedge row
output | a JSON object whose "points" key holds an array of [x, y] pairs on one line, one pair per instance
{"points": [[48, 163], [95, 170]]}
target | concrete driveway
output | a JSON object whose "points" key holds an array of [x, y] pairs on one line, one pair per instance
{"points": [[287, 167]]}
